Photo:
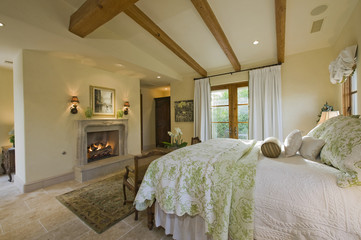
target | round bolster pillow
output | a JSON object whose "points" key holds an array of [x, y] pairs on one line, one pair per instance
{"points": [[271, 147]]}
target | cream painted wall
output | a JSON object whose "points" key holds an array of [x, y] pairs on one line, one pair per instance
{"points": [[182, 90], [19, 120], [148, 95], [6, 105], [49, 127], [351, 35], [305, 88]]}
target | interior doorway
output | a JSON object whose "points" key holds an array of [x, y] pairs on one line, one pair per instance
{"points": [[148, 114], [162, 121]]}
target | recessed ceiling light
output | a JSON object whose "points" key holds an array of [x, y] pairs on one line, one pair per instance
{"points": [[318, 10], [119, 65], [158, 76], [1, 24], [255, 42]]}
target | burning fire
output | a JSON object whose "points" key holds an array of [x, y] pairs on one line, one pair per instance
{"points": [[99, 150]]}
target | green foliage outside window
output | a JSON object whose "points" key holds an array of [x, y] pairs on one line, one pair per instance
{"points": [[220, 115]]}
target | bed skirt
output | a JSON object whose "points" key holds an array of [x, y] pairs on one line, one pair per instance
{"points": [[182, 228]]}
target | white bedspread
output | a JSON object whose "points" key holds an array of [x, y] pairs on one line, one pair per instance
{"points": [[294, 199], [299, 199]]}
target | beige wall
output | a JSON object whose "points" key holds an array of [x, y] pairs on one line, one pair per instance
{"points": [[6, 105], [351, 35], [148, 95], [49, 127], [306, 87], [182, 90]]}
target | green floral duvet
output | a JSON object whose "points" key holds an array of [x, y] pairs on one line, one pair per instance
{"points": [[214, 179]]}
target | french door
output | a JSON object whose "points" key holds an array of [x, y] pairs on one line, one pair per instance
{"points": [[229, 107]]}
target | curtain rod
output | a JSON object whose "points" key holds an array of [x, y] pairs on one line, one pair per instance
{"points": [[249, 69]]}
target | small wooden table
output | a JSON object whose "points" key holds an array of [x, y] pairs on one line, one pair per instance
{"points": [[8, 154]]}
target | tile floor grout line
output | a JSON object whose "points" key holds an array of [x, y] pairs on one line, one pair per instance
{"points": [[132, 227], [27, 205], [43, 226]]}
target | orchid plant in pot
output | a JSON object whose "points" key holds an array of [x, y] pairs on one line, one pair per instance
{"points": [[176, 139]]}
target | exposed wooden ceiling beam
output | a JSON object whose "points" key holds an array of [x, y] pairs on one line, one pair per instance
{"points": [[280, 7], [206, 12], [94, 13], [143, 20]]}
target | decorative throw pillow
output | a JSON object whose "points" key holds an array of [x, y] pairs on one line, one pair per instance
{"points": [[311, 147], [293, 143], [271, 147], [342, 148]]}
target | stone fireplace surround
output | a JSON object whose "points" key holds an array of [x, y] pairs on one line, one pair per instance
{"points": [[85, 171]]}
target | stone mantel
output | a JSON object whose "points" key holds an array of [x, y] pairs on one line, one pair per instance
{"points": [[95, 125], [85, 171]]}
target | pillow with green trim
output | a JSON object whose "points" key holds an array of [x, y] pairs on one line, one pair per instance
{"points": [[342, 149]]}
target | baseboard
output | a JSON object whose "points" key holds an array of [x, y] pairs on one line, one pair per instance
{"points": [[29, 187]]}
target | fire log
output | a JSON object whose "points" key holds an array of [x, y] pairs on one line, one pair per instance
{"points": [[100, 153]]}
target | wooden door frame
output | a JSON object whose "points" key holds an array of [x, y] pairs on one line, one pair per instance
{"points": [[232, 93]]}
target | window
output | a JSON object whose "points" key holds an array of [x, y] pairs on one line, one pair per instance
{"points": [[349, 95], [229, 106]]}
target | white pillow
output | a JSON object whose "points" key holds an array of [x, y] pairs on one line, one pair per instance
{"points": [[311, 147], [293, 143]]}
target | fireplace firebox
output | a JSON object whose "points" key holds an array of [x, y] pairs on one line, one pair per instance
{"points": [[103, 144]]}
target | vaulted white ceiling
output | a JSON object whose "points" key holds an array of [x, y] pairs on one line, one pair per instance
{"points": [[43, 25]]}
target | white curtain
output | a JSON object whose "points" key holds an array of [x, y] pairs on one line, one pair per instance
{"points": [[265, 115], [202, 109], [343, 66]]}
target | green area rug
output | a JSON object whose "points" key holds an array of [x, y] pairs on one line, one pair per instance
{"points": [[100, 204]]}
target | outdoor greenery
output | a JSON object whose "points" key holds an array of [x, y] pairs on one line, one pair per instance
{"points": [[221, 114]]}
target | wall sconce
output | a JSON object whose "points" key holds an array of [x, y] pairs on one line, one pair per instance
{"points": [[126, 107], [74, 100]]}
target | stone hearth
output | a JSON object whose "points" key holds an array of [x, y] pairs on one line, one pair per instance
{"points": [[85, 171]]}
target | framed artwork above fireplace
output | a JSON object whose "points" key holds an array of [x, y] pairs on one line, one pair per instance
{"points": [[102, 101]]}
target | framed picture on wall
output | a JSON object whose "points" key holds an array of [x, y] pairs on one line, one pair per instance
{"points": [[102, 101], [183, 111]]}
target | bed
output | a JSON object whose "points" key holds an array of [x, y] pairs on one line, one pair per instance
{"points": [[258, 197]]}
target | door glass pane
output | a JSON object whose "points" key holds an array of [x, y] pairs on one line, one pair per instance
{"points": [[354, 82], [242, 95], [354, 104], [242, 130], [220, 130], [243, 113], [220, 114], [219, 97]]}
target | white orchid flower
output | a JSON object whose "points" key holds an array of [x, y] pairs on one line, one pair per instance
{"points": [[170, 133], [178, 130]]}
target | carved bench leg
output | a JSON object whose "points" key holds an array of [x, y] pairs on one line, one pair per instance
{"points": [[3, 167], [150, 212]]}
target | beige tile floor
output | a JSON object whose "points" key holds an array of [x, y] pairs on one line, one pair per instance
{"points": [[38, 215]]}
